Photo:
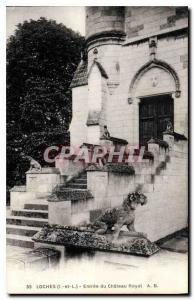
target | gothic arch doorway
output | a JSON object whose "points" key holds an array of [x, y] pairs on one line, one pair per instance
{"points": [[154, 113], [153, 94]]}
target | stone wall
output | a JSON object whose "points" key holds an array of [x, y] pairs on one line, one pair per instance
{"points": [[59, 212], [166, 189], [143, 21], [108, 56], [167, 209], [122, 61], [70, 212], [78, 128], [113, 187], [123, 118]]}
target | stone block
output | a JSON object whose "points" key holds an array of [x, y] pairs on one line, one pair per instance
{"points": [[19, 198], [80, 218], [139, 179], [75, 237], [59, 212]]}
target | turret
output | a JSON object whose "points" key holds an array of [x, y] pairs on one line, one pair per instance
{"points": [[104, 21], [105, 32]]}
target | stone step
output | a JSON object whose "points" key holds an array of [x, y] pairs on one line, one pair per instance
{"points": [[19, 240], [38, 201], [83, 176], [77, 186], [22, 230], [24, 221], [30, 213], [37, 206], [80, 180], [36, 259]]}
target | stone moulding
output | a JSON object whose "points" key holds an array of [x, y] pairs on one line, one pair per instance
{"points": [[179, 137], [118, 141], [155, 64], [116, 35], [68, 236], [177, 32], [48, 170], [18, 188], [112, 86]]}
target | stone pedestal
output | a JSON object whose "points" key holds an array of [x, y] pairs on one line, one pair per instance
{"points": [[42, 181], [19, 197], [71, 236], [154, 148], [39, 184]]}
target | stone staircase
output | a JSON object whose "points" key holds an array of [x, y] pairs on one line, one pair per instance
{"points": [[74, 190], [162, 180], [22, 224], [78, 182]]}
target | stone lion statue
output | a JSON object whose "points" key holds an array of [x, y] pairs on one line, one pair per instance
{"points": [[115, 218], [34, 165]]}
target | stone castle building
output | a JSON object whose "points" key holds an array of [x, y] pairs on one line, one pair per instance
{"points": [[135, 82], [135, 79]]}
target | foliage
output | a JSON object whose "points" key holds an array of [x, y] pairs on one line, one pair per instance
{"points": [[42, 57]]}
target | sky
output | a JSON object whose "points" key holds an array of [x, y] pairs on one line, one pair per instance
{"points": [[72, 17]]}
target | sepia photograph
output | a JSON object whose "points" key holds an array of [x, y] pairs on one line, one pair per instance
{"points": [[97, 167]]}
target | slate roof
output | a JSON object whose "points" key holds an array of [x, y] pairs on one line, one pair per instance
{"points": [[80, 76]]}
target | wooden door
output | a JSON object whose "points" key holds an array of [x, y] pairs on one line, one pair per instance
{"points": [[154, 113]]}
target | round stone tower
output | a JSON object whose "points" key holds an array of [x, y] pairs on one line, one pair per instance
{"points": [[104, 19], [105, 33]]}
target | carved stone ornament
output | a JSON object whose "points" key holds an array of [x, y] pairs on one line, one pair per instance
{"points": [[154, 81], [177, 94], [153, 47], [162, 65], [34, 165], [130, 100]]}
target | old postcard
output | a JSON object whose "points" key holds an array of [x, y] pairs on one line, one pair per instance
{"points": [[97, 150]]}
